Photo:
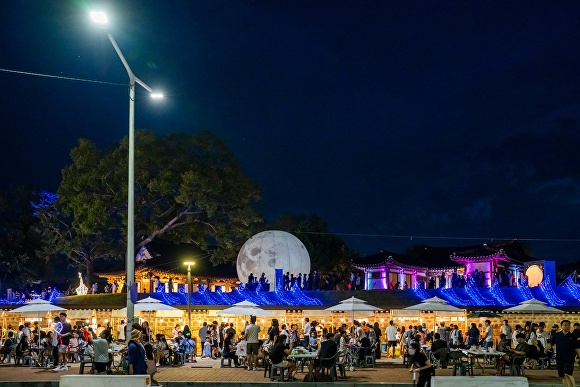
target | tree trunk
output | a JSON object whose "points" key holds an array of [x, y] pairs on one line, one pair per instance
{"points": [[89, 279]]}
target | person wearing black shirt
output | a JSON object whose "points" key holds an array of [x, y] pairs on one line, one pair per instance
{"points": [[273, 331], [278, 354], [420, 363], [328, 349], [230, 349], [437, 345], [566, 348], [64, 339]]}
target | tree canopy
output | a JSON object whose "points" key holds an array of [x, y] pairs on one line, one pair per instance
{"points": [[328, 253], [188, 188]]}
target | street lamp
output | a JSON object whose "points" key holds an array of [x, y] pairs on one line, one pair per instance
{"points": [[189, 265], [101, 18]]}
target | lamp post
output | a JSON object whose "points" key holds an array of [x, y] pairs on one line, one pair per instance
{"points": [[189, 264], [101, 18]]}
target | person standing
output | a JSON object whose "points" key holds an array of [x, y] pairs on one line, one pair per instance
{"points": [[472, 335], [202, 335], [488, 343], [306, 329], [121, 331], [64, 340], [253, 344], [136, 355], [391, 333], [566, 349], [506, 329], [56, 328], [420, 363], [378, 335], [101, 352]]}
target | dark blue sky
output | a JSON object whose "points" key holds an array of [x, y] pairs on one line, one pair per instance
{"points": [[451, 118]]}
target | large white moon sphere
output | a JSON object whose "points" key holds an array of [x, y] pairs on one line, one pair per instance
{"points": [[270, 250]]}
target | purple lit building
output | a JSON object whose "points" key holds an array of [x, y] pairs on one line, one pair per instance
{"points": [[447, 266]]}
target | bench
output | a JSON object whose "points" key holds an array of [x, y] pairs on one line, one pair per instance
{"points": [[478, 381]]}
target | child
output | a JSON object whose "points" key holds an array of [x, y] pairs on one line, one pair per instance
{"points": [[206, 348], [151, 368]]}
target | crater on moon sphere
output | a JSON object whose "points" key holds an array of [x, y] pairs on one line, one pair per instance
{"points": [[270, 250]]}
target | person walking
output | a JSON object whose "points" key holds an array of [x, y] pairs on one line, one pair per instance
{"points": [[566, 349]]}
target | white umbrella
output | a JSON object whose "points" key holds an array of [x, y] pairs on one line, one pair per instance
{"points": [[353, 305], [39, 308], [149, 305], [534, 306], [434, 304], [245, 308]]}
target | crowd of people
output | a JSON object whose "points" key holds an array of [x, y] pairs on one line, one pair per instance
{"points": [[145, 351], [521, 345]]}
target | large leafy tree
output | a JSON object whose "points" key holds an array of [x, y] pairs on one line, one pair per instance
{"points": [[18, 239], [188, 188], [62, 236]]}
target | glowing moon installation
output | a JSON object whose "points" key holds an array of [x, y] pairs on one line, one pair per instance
{"points": [[535, 275], [270, 250]]}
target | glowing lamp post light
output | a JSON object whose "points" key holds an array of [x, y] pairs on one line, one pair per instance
{"points": [[189, 265], [101, 18]]}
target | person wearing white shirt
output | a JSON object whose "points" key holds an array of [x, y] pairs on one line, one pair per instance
{"points": [[516, 332], [506, 329], [488, 334], [306, 329], [391, 333]]}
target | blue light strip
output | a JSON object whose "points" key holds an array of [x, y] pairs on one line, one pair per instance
{"points": [[548, 291], [525, 291], [572, 287], [497, 293], [453, 298]]}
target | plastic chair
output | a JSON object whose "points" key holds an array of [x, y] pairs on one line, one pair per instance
{"points": [[517, 367], [441, 360], [460, 364], [328, 363]]}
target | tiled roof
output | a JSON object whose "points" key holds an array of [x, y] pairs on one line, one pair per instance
{"points": [[169, 257]]}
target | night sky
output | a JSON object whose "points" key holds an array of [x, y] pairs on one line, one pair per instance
{"points": [[451, 119]]}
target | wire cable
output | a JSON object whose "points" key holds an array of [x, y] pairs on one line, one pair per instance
{"points": [[61, 77]]}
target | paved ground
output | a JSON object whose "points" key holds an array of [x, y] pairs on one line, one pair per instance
{"points": [[207, 370]]}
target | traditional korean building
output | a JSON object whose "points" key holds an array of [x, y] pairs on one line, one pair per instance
{"points": [[505, 261], [163, 270]]}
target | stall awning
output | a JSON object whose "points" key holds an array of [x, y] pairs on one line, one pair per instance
{"points": [[79, 314]]}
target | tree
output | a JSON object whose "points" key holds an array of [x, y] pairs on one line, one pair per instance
{"points": [[62, 237], [328, 252], [188, 188], [18, 239]]}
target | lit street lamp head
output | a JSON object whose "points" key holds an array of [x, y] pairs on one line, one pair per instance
{"points": [[189, 263], [159, 96], [99, 17]]}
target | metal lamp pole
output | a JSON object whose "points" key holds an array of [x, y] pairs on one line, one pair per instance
{"points": [[101, 18], [189, 264]]}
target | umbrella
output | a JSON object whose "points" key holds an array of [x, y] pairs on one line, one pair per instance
{"points": [[533, 306], [245, 308], [482, 314], [434, 304], [353, 305], [39, 308], [149, 305]]}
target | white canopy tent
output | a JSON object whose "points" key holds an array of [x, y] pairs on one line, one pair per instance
{"points": [[435, 304]]}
